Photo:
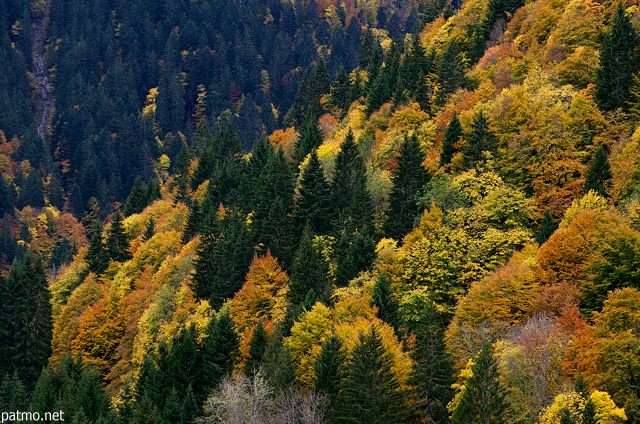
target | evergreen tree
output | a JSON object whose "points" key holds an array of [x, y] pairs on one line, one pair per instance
{"points": [[13, 394], [202, 139], [451, 137], [407, 180], [599, 173], [149, 230], [25, 319], [483, 399], [450, 71], [193, 225], [432, 371], [370, 391], [349, 192], [617, 62], [386, 301], [272, 221], [223, 259], [97, 256], [354, 252], [310, 138], [479, 140], [340, 93], [278, 363], [312, 204], [257, 349], [117, 244], [310, 281], [222, 343], [137, 199], [547, 227], [329, 368], [153, 192]]}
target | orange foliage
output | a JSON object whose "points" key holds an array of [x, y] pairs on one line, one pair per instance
{"points": [[263, 294], [285, 139]]}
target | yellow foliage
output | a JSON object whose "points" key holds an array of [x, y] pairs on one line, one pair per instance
{"points": [[605, 408], [590, 201]]}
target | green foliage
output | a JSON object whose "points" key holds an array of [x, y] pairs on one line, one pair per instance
{"points": [[370, 390], [97, 256], [257, 349], [310, 274], [313, 201], [138, 198], [482, 398], [385, 300], [329, 367], [310, 138], [479, 140], [25, 319], [598, 174], [117, 243], [408, 180], [451, 138], [617, 62], [546, 228], [353, 253]]}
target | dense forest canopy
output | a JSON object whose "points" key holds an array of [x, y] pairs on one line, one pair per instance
{"points": [[333, 211]]}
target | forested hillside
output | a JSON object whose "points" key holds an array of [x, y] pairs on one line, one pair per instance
{"points": [[319, 211]]}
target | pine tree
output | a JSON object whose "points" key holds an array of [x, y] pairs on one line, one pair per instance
{"points": [[312, 204], [309, 274], [193, 225], [329, 368], [310, 138], [386, 301], [599, 173], [483, 399], [25, 319], [617, 62], [479, 140], [222, 343], [117, 244], [370, 391], [432, 371], [450, 71], [451, 137], [349, 193], [354, 252], [257, 348], [547, 227], [223, 259], [272, 221], [97, 256], [149, 230], [407, 180], [137, 199]]}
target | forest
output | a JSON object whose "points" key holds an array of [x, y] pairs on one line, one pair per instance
{"points": [[320, 211]]}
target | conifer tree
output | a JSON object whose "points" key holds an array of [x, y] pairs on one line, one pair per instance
{"points": [[599, 173], [137, 199], [202, 139], [149, 230], [153, 192], [354, 252], [222, 343], [349, 192], [25, 319], [309, 273], [117, 244], [310, 138], [617, 62], [370, 391], [97, 256], [386, 301], [272, 221], [450, 70], [257, 348], [451, 137], [312, 204], [479, 139], [193, 225], [432, 371], [340, 93], [547, 227], [407, 180], [278, 363], [329, 368], [483, 399], [13, 394], [223, 259]]}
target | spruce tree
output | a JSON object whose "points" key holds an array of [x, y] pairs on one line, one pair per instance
{"points": [[340, 93], [407, 180], [547, 227], [386, 301], [450, 71], [272, 220], [278, 363], [222, 343], [483, 399], [432, 371], [479, 140], [25, 319], [13, 394], [329, 368], [117, 244], [193, 225], [310, 279], [349, 193], [223, 259], [370, 391], [257, 349], [97, 256], [354, 252], [617, 62], [451, 137], [310, 138], [137, 199], [599, 173], [312, 204], [149, 230]]}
